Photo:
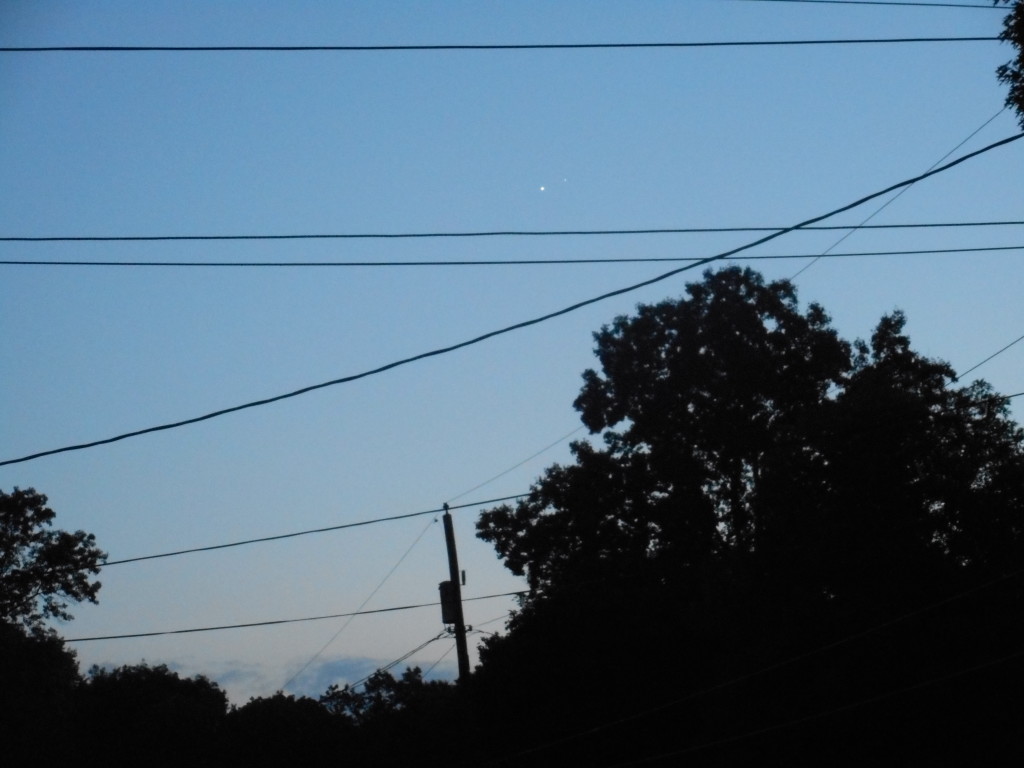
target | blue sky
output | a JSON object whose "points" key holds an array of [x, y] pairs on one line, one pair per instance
{"points": [[298, 143]]}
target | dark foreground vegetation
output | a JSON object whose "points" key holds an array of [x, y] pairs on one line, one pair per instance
{"points": [[779, 548]]}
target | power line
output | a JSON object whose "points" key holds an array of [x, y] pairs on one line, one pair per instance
{"points": [[480, 47], [496, 262], [398, 661], [487, 233], [362, 605], [403, 657], [895, 197], [418, 648], [282, 621], [430, 669], [993, 355], [491, 621], [431, 511], [896, 3], [303, 533], [363, 522], [485, 632], [516, 326], [532, 456], [516, 593]]}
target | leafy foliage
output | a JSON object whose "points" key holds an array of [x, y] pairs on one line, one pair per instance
{"points": [[737, 428], [41, 570], [39, 676], [1012, 72], [399, 721], [149, 714], [707, 392], [763, 488], [282, 729], [381, 696]]}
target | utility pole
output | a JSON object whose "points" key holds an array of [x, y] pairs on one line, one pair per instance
{"points": [[451, 598]]}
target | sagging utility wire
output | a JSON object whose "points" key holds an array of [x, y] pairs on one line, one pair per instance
{"points": [[480, 47], [275, 622], [517, 326], [308, 532], [472, 234], [503, 262]]}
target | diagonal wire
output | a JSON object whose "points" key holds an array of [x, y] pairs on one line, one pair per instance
{"points": [[495, 262], [529, 458], [276, 622], [520, 325], [994, 354], [895, 197], [294, 534], [362, 605], [400, 659], [461, 234], [896, 3], [420, 647], [443, 656], [480, 47]]}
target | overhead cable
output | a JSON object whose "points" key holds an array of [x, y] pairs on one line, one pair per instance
{"points": [[487, 233], [294, 534], [392, 664], [897, 3], [283, 621], [430, 669], [990, 357], [496, 262], [516, 326], [529, 458], [438, 510], [480, 47], [417, 649], [894, 198], [362, 605]]}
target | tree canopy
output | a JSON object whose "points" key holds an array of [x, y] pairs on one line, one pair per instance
{"points": [[762, 487], [149, 714], [38, 679], [42, 570], [1012, 72], [735, 425]]}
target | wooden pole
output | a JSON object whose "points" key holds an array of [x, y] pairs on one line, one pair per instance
{"points": [[453, 574]]}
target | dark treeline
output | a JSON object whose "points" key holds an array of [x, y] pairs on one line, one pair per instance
{"points": [[778, 548]]}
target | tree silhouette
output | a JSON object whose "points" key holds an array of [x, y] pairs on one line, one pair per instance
{"points": [[400, 721], [708, 392], [1012, 73], [41, 570], [38, 677], [282, 729], [764, 490], [149, 715]]}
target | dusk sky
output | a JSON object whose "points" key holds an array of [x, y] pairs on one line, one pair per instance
{"points": [[121, 144]]}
